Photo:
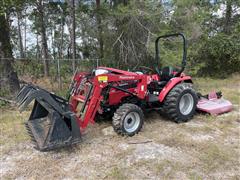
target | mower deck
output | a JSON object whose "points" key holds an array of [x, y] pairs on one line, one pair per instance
{"points": [[213, 104]]}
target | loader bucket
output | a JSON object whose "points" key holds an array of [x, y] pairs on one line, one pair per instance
{"points": [[51, 124]]}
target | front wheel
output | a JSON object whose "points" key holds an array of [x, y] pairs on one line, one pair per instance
{"points": [[128, 119], [180, 103]]}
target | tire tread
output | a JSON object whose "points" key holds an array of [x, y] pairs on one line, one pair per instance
{"points": [[119, 115], [170, 102]]}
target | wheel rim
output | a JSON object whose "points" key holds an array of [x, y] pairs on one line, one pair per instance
{"points": [[186, 104], [131, 122]]}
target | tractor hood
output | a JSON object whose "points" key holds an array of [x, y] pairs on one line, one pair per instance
{"points": [[105, 70]]}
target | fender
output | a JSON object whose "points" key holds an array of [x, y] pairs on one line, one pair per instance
{"points": [[172, 83]]}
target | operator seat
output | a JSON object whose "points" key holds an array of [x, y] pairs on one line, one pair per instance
{"points": [[166, 73]]}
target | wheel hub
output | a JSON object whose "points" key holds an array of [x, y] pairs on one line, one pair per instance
{"points": [[186, 104], [131, 122]]}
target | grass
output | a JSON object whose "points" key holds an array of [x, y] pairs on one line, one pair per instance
{"points": [[212, 157], [230, 87], [116, 173], [12, 128], [194, 176], [205, 129], [167, 168], [178, 140]]}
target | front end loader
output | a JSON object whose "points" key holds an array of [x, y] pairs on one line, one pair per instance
{"points": [[122, 95], [51, 124]]}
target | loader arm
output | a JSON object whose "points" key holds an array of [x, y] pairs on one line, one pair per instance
{"points": [[91, 102]]}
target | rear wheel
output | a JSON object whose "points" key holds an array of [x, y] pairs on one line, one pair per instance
{"points": [[180, 103], [128, 119]]}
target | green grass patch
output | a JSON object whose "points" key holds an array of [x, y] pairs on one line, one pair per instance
{"points": [[230, 87], [167, 168], [116, 173], [194, 176], [214, 157], [12, 128]]}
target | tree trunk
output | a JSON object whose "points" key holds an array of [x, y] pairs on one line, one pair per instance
{"points": [[8, 79], [53, 41], [99, 26], [43, 37], [228, 16], [19, 18], [62, 33], [38, 49], [25, 36], [72, 32]]}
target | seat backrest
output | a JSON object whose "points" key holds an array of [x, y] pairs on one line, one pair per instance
{"points": [[166, 73]]}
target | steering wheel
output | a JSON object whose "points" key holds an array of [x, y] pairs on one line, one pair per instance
{"points": [[146, 70]]}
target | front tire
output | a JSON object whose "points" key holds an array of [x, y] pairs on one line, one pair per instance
{"points": [[128, 119], [180, 103]]}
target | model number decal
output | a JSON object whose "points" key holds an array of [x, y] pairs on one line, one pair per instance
{"points": [[126, 77]]}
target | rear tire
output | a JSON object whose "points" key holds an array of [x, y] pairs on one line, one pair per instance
{"points": [[128, 119], [180, 103]]}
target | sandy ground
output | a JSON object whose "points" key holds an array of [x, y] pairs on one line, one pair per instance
{"points": [[207, 147], [204, 148]]}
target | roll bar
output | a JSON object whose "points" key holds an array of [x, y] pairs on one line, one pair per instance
{"points": [[184, 57]]}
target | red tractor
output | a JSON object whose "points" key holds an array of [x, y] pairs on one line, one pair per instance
{"points": [[56, 122]]}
